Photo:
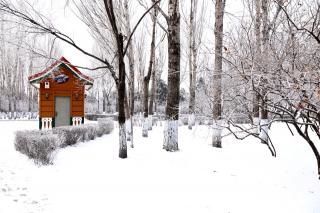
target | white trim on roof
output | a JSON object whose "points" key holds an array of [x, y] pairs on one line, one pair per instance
{"points": [[53, 68], [78, 74]]}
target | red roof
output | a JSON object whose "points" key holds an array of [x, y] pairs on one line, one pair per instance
{"points": [[62, 60]]}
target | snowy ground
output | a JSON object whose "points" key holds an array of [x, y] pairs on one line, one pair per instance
{"points": [[89, 177]]}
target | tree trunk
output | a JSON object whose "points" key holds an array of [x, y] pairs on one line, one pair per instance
{"points": [[10, 104], [265, 56], [217, 93], [145, 106], [146, 79], [126, 104], [192, 66], [315, 151], [128, 116], [121, 100], [29, 86], [172, 107], [257, 71], [131, 67], [153, 90], [152, 95], [104, 102], [130, 57]]}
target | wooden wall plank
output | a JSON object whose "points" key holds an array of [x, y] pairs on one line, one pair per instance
{"points": [[73, 88]]}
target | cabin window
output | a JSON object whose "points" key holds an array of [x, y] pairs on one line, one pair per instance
{"points": [[46, 85]]}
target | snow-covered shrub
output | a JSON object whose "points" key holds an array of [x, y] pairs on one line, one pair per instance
{"points": [[41, 144], [105, 126], [37, 145], [91, 131], [69, 135]]}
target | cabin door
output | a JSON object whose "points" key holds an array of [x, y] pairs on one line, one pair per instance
{"points": [[62, 108]]}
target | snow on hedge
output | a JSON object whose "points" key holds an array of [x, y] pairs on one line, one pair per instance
{"points": [[40, 145], [37, 145]]}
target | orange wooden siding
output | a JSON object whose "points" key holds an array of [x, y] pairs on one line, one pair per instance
{"points": [[73, 88]]}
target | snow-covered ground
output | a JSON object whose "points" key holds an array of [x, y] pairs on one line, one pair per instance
{"points": [[89, 177]]}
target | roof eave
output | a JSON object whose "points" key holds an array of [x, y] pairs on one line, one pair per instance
{"points": [[41, 77]]}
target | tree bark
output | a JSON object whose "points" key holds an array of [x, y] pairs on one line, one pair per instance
{"points": [[265, 70], [146, 79], [130, 57], [172, 107], [104, 101], [128, 116], [192, 66], [121, 97], [153, 90], [145, 106], [217, 92], [311, 144], [131, 69], [121, 81], [257, 70], [29, 87]]}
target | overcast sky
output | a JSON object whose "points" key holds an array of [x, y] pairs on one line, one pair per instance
{"points": [[66, 21]]}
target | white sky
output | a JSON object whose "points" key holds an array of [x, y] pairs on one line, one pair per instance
{"points": [[67, 22]]}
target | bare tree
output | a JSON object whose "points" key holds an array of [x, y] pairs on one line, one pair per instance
{"points": [[153, 91], [146, 79], [172, 107], [265, 70], [257, 70], [131, 69], [288, 83], [192, 64], [217, 93]]}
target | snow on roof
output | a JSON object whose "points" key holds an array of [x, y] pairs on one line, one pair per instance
{"points": [[43, 74]]}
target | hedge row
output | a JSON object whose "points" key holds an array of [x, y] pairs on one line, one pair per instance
{"points": [[37, 145], [41, 145]]}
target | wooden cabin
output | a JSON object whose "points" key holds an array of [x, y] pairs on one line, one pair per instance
{"points": [[61, 94]]}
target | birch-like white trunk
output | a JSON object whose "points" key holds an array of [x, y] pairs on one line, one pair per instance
{"points": [[122, 141], [121, 87], [172, 107], [131, 68], [191, 120], [265, 63], [217, 91], [256, 125], [150, 122], [146, 79], [128, 129], [131, 133], [192, 65], [171, 135], [145, 126], [264, 131], [153, 90], [257, 71], [217, 127]]}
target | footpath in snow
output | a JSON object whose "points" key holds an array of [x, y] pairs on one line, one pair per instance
{"points": [[89, 177]]}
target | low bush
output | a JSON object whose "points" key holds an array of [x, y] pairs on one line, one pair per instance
{"points": [[91, 131], [40, 145], [105, 126], [37, 145], [69, 135]]}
